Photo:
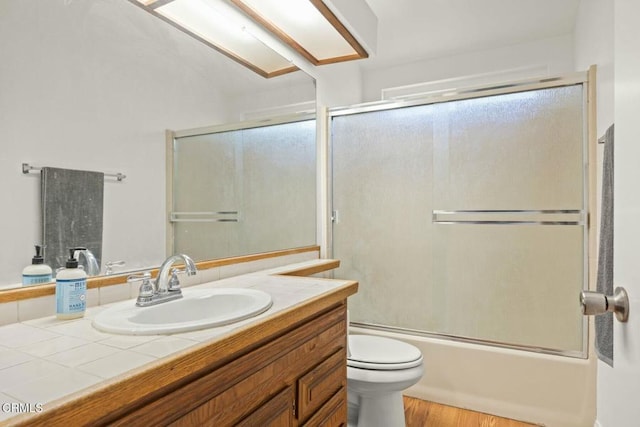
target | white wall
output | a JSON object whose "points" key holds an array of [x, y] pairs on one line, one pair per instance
{"points": [[82, 88], [339, 84], [81, 91], [555, 54], [594, 45], [354, 83]]}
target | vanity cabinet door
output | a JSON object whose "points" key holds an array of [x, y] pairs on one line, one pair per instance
{"points": [[331, 414], [317, 386], [277, 412]]}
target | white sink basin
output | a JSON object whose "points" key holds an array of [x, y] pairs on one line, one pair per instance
{"points": [[198, 309]]}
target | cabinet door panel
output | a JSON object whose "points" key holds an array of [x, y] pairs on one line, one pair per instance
{"points": [[322, 382], [333, 413], [247, 395], [278, 412]]}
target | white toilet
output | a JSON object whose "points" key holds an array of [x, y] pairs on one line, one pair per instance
{"points": [[378, 370]]}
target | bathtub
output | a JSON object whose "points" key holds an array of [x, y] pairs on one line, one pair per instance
{"points": [[521, 385]]}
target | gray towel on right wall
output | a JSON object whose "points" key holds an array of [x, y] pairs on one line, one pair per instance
{"points": [[604, 322]]}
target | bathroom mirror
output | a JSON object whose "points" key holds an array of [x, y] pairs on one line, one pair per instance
{"points": [[93, 85]]}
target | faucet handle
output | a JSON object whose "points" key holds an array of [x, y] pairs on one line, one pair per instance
{"points": [[137, 277], [146, 290], [174, 282]]}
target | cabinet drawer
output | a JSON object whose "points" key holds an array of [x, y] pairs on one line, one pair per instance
{"points": [[331, 414], [277, 412], [321, 383]]}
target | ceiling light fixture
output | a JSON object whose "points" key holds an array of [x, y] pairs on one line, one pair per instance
{"points": [[309, 27], [220, 26]]}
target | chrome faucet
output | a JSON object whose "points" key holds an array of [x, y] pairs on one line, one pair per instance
{"points": [[162, 282], [92, 267], [163, 289]]}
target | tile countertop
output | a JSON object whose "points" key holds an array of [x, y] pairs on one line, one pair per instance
{"points": [[46, 359]]}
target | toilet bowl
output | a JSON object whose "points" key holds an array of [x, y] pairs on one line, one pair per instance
{"points": [[378, 370]]}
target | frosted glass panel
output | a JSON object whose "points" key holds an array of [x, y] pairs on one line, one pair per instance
{"points": [[266, 174], [382, 192], [207, 179], [279, 187], [511, 284], [466, 218], [507, 281], [514, 151]]}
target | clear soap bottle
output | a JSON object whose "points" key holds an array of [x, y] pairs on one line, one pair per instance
{"points": [[71, 290]]}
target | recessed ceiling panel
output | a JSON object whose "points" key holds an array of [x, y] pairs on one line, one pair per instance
{"points": [[308, 26]]}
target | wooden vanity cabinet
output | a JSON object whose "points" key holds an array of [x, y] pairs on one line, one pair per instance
{"points": [[297, 378]]}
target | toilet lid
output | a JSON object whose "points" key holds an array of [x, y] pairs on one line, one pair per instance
{"points": [[372, 352]]}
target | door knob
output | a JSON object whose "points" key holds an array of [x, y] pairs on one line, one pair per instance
{"points": [[595, 303]]}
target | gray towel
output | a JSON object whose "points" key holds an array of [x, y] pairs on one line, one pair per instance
{"points": [[604, 322], [72, 202]]}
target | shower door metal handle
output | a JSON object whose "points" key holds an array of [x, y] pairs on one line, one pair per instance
{"points": [[595, 303]]}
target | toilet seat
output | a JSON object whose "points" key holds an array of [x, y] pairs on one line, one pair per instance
{"points": [[380, 353]]}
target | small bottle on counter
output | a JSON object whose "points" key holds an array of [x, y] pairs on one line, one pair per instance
{"points": [[71, 289], [38, 272]]}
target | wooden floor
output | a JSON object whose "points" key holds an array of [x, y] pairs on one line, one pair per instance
{"points": [[420, 413]]}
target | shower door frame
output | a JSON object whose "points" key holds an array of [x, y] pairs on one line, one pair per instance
{"points": [[588, 213]]}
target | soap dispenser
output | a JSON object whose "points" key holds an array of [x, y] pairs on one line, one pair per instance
{"points": [[71, 289], [38, 272]]}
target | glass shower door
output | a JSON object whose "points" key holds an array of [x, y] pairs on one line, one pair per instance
{"points": [[382, 183], [467, 218], [509, 217]]}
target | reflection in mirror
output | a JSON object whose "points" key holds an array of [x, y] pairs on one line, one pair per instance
{"points": [[71, 203], [244, 189], [93, 85]]}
